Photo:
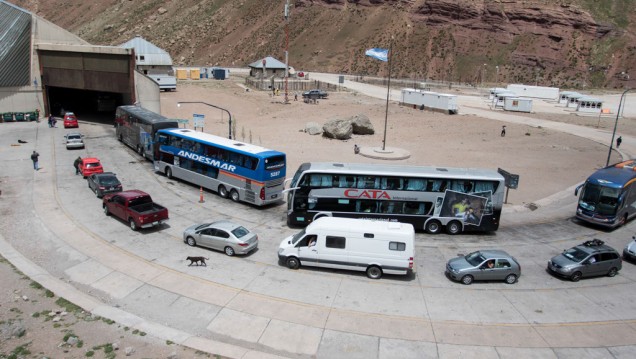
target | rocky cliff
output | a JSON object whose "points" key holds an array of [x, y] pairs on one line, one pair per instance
{"points": [[565, 43]]}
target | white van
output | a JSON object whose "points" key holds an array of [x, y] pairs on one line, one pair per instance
{"points": [[375, 247]]}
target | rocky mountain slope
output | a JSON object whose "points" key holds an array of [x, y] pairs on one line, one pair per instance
{"points": [[565, 43]]}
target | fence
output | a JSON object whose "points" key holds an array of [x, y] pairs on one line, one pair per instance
{"points": [[293, 85]]}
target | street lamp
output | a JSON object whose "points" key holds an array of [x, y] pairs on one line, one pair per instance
{"points": [[497, 77], [620, 103], [220, 108]]}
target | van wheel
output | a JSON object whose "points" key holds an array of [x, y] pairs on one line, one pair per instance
{"points": [[511, 279], [433, 227], [374, 272], [467, 279], [234, 195], [191, 242], [576, 276], [169, 172], [453, 227], [293, 263], [223, 192], [133, 226], [612, 272]]}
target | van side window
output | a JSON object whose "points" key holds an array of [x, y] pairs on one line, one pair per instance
{"points": [[335, 242], [397, 246]]}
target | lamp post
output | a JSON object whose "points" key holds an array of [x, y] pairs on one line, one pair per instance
{"points": [[220, 108], [618, 113], [497, 76]]}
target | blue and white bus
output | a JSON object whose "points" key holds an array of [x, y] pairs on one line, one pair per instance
{"points": [[429, 198], [608, 196], [240, 171], [136, 127]]}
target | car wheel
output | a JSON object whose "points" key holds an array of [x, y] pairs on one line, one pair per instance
{"points": [[106, 211], [133, 226], [169, 172], [234, 195], [467, 279], [612, 272], [229, 251], [97, 194], [453, 227], [433, 227], [374, 272], [292, 263], [223, 192], [576, 276], [511, 279], [191, 242]]}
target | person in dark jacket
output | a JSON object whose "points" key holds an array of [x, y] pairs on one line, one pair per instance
{"points": [[76, 164], [34, 158]]}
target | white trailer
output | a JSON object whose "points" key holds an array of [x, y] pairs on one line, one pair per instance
{"points": [[589, 105], [494, 91], [374, 247], [430, 100], [573, 100], [547, 93], [500, 98], [165, 82], [563, 96], [518, 104]]}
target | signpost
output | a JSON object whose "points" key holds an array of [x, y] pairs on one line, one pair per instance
{"points": [[183, 122], [198, 120], [512, 181]]}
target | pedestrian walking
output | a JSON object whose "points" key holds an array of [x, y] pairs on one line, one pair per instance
{"points": [[34, 158], [503, 131], [51, 120], [619, 140], [295, 96], [76, 164]]}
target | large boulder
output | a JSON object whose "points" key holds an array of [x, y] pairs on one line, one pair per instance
{"points": [[338, 129], [313, 128], [362, 125]]}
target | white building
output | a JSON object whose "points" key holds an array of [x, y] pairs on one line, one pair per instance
{"points": [[589, 105], [517, 104], [430, 100]]}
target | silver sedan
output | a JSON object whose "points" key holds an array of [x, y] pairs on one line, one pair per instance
{"points": [[484, 265], [226, 236]]}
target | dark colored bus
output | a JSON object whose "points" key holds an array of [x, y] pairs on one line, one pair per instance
{"points": [[136, 127]]}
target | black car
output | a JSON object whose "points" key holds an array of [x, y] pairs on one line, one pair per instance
{"points": [[102, 183], [315, 94]]}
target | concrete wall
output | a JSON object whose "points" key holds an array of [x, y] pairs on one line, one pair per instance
{"points": [[147, 93]]}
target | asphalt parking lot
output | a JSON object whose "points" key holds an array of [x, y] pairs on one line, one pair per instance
{"points": [[54, 229]]}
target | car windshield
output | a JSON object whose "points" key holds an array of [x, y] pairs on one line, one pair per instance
{"points": [[600, 199], [239, 232], [475, 258], [298, 236], [108, 180], [575, 254]]}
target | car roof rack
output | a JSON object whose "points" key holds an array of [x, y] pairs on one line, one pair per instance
{"points": [[593, 243]]}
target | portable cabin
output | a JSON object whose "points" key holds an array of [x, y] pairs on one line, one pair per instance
{"points": [[547, 93], [493, 92], [517, 104], [563, 96], [573, 100], [430, 100], [500, 99], [589, 105]]}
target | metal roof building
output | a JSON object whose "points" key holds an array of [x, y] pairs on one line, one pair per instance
{"points": [[147, 53]]}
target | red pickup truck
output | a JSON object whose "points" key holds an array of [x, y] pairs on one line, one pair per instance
{"points": [[136, 208]]}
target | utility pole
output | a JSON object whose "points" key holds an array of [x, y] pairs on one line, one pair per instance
{"points": [[286, 50]]}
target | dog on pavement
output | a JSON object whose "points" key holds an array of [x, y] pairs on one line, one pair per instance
{"points": [[200, 261]]}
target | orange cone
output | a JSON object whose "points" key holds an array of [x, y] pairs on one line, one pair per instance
{"points": [[201, 195]]}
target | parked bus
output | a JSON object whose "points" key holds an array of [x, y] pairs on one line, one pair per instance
{"points": [[241, 171], [429, 198], [136, 126], [608, 196]]}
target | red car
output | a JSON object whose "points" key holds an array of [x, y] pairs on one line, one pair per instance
{"points": [[70, 120], [89, 166]]}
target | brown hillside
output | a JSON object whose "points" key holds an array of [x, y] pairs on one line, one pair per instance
{"points": [[565, 43]]}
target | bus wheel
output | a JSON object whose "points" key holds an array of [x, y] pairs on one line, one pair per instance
{"points": [[374, 272], [222, 191], [234, 195], [433, 227], [453, 227], [292, 263], [168, 172]]}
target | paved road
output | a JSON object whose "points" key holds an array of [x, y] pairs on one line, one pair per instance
{"points": [[252, 307]]}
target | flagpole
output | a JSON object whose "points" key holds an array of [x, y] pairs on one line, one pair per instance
{"points": [[388, 93]]}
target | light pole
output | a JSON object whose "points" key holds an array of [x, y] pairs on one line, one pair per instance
{"points": [[220, 108], [618, 113], [497, 76]]}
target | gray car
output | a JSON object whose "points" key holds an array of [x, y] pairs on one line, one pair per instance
{"points": [[488, 265], [103, 183], [591, 258], [74, 140], [226, 236]]}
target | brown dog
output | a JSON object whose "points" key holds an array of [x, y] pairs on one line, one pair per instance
{"points": [[198, 260]]}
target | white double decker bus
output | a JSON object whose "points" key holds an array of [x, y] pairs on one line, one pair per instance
{"points": [[429, 198]]}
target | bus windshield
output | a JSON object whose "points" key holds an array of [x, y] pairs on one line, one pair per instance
{"points": [[600, 199]]}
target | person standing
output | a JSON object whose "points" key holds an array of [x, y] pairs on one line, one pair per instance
{"points": [[34, 158], [503, 131], [619, 140], [76, 164]]}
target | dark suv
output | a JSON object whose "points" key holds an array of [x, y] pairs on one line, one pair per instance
{"points": [[591, 258]]}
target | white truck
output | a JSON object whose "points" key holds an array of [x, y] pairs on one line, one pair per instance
{"points": [[374, 247], [165, 82]]}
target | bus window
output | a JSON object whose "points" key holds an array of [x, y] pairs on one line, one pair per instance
{"points": [[366, 206], [415, 184], [391, 183]]}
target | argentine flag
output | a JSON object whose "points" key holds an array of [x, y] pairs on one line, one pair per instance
{"points": [[378, 54]]}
